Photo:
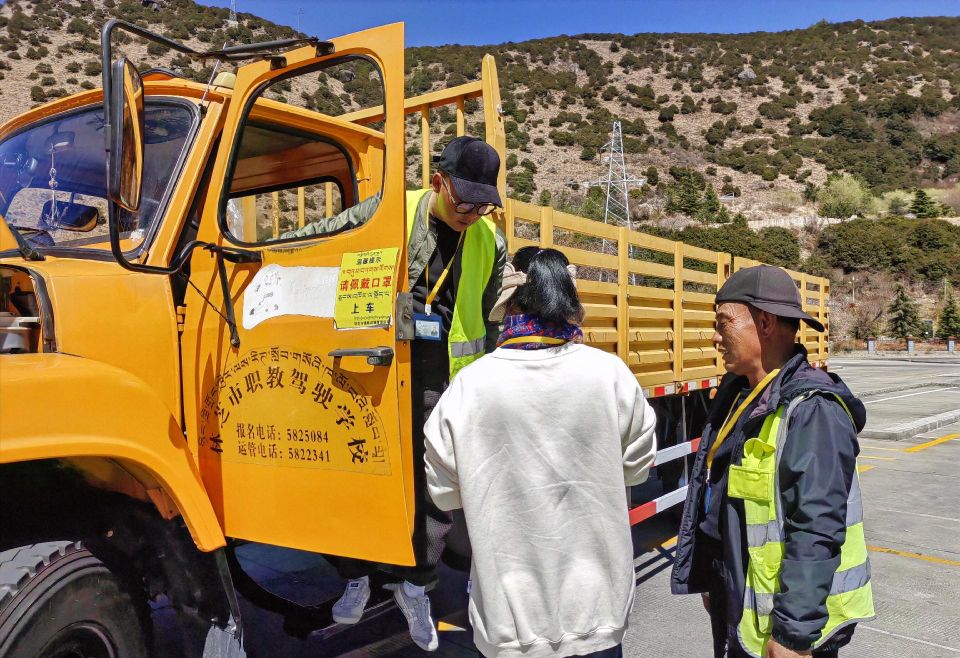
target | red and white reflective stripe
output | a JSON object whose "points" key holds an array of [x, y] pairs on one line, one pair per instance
{"points": [[699, 384], [685, 387], [664, 502], [660, 391], [676, 452]]}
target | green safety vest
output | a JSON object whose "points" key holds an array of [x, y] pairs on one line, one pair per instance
{"points": [[755, 480], [468, 329]]}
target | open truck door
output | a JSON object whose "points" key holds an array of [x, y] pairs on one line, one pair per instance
{"points": [[296, 370]]}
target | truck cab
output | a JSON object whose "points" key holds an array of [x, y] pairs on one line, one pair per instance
{"points": [[178, 372]]}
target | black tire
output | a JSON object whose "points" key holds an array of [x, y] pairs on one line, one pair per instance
{"points": [[58, 600]]}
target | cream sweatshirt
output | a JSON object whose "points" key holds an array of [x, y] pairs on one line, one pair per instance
{"points": [[537, 447]]}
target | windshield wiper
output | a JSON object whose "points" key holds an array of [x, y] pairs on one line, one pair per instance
{"points": [[23, 246]]}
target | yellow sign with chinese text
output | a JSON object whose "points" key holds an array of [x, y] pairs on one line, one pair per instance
{"points": [[278, 406], [365, 289]]}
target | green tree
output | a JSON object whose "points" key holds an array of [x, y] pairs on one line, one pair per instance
{"points": [[923, 206], [684, 197], [904, 315], [949, 321], [710, 207], [843, 196]]}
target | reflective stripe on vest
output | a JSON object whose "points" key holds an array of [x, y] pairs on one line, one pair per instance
{"points": [[756, 481], [468, 331]]}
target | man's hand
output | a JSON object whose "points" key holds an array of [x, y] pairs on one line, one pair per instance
{"points": [[706, 602], [776, 650]]}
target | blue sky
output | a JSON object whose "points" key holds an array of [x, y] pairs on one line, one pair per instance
{"points": [[483, 22]]}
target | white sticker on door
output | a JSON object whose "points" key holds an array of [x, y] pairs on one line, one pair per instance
{"points": [[278, 290]]}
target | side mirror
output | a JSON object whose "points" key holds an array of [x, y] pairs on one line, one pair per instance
{"points": [[125, 165]]}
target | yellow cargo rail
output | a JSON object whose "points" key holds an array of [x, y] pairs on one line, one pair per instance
{"points": [[653, 305]]}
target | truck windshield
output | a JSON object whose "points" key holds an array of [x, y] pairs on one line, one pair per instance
{"points": [[53, 177]]}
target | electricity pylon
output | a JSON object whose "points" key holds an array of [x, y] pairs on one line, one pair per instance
{"points": [[616, 210], [618, 182]]}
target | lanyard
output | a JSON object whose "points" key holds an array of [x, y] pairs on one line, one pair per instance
{"points": [[731, 420], [427, 306], [545, 340]]}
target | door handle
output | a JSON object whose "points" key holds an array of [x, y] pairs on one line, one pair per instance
{"points": [[376, 356]]}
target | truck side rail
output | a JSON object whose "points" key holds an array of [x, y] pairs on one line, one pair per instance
{"points": [[648, 300]]}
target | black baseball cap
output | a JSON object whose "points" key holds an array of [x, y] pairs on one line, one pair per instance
{"points": [[767, 288], [473, 166]]}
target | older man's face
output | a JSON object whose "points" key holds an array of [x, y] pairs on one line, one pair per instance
{"points": [[735, 337]]}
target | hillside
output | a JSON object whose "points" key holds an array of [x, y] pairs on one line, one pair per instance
{"points": [[766, 117]]}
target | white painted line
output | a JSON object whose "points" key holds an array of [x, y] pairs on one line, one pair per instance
{"points": [[926, 516], [939, 374], [909, 395], [911, 639]]}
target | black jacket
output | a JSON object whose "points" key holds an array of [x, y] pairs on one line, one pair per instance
{"points": [[817, 466]]}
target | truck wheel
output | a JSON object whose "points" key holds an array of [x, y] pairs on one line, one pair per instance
{"points": [[58, 600]]}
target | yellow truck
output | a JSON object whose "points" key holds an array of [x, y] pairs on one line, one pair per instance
{"points": [[177, 377]]}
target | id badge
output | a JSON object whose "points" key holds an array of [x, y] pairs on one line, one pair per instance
{"points": [[426, 326]]}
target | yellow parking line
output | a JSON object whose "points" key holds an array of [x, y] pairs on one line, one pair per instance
{"points": [[864, 469], [915, 556], [665, 544], [886, 459], [445, 627], [879, 448], [930, 444]]}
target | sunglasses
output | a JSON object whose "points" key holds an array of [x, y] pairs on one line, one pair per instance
{"points": [[465, 207]]}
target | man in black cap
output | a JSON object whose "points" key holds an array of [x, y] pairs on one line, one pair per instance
{"points": [[455, 258], [772, 530]]}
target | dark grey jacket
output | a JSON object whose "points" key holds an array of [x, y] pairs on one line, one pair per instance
{"points": [[817, 466], [420, 248]]}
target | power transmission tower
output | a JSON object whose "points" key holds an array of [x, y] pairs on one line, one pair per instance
{"points": [[616, 209], [232, 20], [618, 182]]}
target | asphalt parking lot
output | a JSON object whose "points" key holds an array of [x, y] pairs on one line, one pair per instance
{"points": [[910, 495]]}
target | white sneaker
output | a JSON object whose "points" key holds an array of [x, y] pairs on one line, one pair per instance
{"points": [[349, 608], [417, 611]]}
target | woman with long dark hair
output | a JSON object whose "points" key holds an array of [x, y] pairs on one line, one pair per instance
{"points": [[536, 442]]}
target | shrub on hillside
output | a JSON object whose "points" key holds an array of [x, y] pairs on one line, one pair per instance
{"points": [[843, 197], [924, 249], [718, 106], [843, 121]]}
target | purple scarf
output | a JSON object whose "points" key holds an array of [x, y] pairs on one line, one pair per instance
{"points": [[515, 326]]}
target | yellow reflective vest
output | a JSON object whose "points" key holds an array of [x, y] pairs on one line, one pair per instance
{"points": [[468, 330], [755, 481]]}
